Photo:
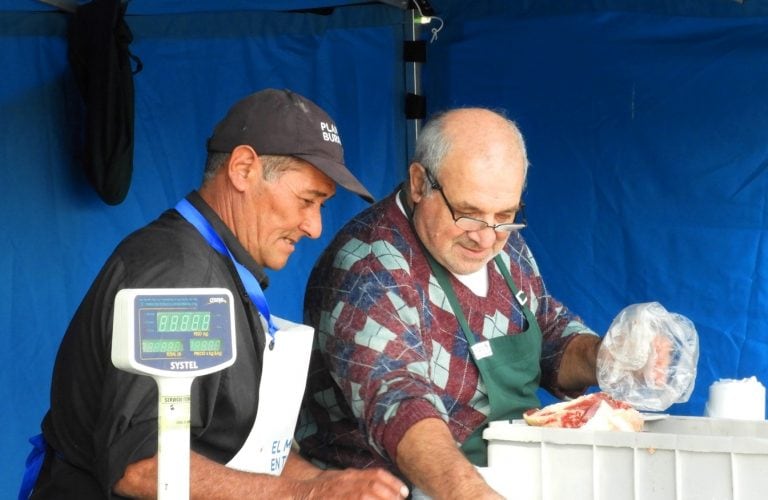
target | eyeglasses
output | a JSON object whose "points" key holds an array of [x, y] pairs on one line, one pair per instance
{"points": [[470, 223]]}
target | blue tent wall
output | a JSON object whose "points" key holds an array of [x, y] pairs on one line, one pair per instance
{"points": [[644, 122], [57, 231], [646, 136]]}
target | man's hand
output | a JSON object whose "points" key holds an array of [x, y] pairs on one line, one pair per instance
{"points": [[648, 357], [658, 364]]}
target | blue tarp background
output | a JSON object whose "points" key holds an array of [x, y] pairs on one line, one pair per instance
{"points": [[645, 122], [647, 138]]}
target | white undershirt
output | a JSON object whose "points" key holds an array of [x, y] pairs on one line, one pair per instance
{"points": [[477, 281]]}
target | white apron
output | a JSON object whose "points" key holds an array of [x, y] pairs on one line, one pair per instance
{"points": [[283, 377]]}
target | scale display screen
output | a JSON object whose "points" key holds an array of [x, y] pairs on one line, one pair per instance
{"points": [[183, 321], [174, 330]]}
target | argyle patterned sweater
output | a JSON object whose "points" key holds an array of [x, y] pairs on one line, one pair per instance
{"points": [[389, 350]]}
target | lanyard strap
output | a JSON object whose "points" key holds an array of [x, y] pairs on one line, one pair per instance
{"points": [[194, 217]]}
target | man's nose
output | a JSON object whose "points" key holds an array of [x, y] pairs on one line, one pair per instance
{"points": [[312, 225], [485, 237]]}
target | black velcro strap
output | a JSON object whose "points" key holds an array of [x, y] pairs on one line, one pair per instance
{"points": [[415, 51], [415, 106]]}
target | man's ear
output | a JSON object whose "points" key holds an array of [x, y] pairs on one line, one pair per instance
{"points": [[416, 180], [243, 165]]}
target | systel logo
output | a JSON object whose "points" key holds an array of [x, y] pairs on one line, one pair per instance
{"points": [[217, 300]]}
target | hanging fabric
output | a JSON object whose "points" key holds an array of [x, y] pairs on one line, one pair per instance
{"points": [[98, 55]]}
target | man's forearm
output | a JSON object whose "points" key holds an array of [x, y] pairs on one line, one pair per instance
{"points": [[210, 480], [429, 457], [140, 481], [578, 368], [296, 467]]}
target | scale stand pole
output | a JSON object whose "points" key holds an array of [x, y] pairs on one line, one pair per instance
{"points": [[173, 416]]}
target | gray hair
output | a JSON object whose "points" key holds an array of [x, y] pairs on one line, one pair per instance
{"points": [[433, 143], [212, 163], [273, 165]]}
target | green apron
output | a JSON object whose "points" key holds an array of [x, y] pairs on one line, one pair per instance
{"points": [[508, 365]]}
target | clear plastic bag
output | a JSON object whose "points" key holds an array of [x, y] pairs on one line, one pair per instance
{"points": [[648, 357]]}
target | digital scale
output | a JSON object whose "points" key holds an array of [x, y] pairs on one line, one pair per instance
{"points": [[173, 335]]}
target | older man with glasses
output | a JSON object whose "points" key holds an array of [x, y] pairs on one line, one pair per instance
{"points": [[433, 318]]}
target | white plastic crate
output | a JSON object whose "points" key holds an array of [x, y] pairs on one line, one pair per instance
{"points": [[681, 458]]}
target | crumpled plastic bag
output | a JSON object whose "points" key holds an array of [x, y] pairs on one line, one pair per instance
{"points": [[648, 357]]}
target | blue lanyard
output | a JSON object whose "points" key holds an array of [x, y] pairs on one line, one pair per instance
{"points": [[250, 282]]}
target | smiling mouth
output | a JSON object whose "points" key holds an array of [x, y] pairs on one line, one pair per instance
{"points": [[472, 251]]}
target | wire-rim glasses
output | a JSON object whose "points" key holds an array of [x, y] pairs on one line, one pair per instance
{"points": [[470, 223]]}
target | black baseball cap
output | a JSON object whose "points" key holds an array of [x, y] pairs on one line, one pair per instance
{"points": [[281, 122]]}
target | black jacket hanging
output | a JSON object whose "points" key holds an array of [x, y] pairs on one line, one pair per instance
{"points": [[101, 62]]}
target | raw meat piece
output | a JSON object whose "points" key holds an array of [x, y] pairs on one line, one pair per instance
{"points": [[597, 411]]}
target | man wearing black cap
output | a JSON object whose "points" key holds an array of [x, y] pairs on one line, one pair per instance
{"points": [[272, 162]]}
